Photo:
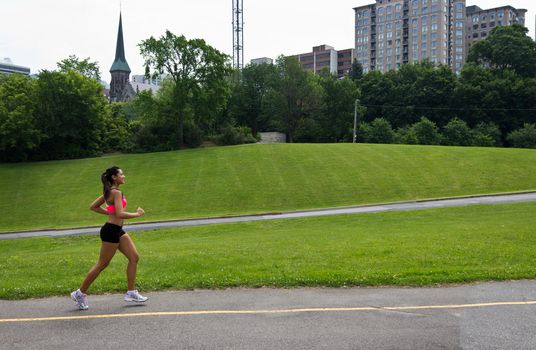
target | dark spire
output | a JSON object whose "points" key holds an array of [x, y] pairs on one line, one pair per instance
{"points": [[120, 62]]}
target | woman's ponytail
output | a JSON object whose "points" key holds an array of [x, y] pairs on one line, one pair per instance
{"points": [[107, 180]]}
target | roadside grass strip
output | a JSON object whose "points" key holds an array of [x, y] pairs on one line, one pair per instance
{"points": [[428, 247], [250, 179]]}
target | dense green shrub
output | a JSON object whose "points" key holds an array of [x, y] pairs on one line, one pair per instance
{"points": [[380, 131], [457, 133], [524, 137], [426, 132], [486, 135], [231, 135]]}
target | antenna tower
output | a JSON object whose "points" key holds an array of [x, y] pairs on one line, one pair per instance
{"points": [[238, 34]]}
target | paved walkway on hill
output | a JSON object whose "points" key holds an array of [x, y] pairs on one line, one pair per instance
{"points": [[398, 206], [477, 316]]}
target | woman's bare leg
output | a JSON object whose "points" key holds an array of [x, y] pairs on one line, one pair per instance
{"points": [[127, 247], [107, 252]]}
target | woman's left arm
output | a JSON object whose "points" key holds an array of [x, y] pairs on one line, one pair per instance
{"points": [[96, 206]]}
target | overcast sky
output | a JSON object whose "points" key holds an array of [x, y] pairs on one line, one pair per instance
{"points": [[39, 33]]}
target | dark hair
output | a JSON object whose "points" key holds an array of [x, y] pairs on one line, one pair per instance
{"points": [[107, 180]]}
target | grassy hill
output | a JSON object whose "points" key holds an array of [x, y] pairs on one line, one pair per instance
{"points": [[257, 178]]}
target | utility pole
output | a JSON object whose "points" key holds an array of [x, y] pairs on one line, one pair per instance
{"points": [[355, 120], [238, 34]]}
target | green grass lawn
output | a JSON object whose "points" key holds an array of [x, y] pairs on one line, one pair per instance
{"points": [[449, 245], [257, 178]]}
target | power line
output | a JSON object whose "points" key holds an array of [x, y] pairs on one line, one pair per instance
{"points": [[455, 109]]}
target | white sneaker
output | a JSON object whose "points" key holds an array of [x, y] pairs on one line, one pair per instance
{"points": [[135, 296], [80, 299]]}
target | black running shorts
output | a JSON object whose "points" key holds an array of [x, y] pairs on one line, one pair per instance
{"points": [[111, 233]]}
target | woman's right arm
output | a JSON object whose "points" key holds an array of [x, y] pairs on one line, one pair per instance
{"points": [[120, 211]]}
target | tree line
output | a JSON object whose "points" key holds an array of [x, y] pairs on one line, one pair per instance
{"points": [[64, 114]]}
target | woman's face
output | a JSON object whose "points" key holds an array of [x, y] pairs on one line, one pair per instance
{"points": [[119, 179]]}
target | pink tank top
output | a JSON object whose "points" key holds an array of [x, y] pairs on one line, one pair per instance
{"points": [[110, 208]]}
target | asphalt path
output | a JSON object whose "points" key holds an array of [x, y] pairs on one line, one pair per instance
{"points": [[529, 196], [499, 315]]}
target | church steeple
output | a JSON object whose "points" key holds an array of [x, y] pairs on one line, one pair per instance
{"points": [[120, 88], [120, 62]]}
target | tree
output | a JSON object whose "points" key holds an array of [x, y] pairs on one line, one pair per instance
{"points": [[504, 98], [377, 92], [507, 47], [356, 72], [117, 130], [194, 68], [84, 67], [248, 93], [415, 89], [19, 133], [337, 117], [71, 114], [295, 97]]}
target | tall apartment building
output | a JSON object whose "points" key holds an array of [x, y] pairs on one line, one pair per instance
{"points": [[390, 33], [480, 22], [324, 56], [344, 62]]}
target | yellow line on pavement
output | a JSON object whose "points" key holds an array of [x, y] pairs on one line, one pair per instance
{"points": [[259, 312]]}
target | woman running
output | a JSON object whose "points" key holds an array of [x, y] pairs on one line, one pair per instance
{"points": [[113, 237]]}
